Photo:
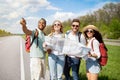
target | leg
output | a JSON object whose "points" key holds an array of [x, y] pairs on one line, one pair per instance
{"points": [[67, 68], [52, 66], [43, 68], [60, 66], [75, 68], [94, 76], [35, 66], [88, 75]]}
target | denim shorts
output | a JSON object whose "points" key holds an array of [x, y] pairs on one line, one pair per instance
{"points": [[92, 66]]}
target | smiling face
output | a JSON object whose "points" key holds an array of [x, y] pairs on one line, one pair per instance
{"points": [[75, 27], [89, 33], [57, 26], [41, 24]]}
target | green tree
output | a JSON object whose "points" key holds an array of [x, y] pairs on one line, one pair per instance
{"points": [[114, 29]]}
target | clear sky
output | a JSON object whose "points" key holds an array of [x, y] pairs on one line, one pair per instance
{"points": [[11, 11]]}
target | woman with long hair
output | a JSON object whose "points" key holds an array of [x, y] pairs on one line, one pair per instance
{"points": [[56, 59], [94, 38]]}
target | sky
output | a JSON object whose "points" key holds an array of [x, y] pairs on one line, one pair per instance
{"points": [[11, 11]]}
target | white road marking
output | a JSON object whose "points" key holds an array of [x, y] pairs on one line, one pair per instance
{"points": [[22, 63]]}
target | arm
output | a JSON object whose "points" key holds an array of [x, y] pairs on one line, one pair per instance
{"points": [[92, 55], [96, 53], [46, 49], [83, 39], [24, 28]]}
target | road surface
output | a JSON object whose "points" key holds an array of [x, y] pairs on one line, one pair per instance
{"points": [[14, 61]]}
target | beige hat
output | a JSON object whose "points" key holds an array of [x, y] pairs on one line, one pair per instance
{"points": [[90, 27]]}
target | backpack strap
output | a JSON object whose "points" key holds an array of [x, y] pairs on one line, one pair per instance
{"points": [[79, 35], [68, 32], [35, 37], [92, 44]]}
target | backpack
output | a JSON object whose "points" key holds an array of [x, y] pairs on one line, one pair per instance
{"points": [[29, 43], [104, 56]]}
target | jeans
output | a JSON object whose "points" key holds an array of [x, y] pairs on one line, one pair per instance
{"points": [[56, 66], [73, 63]]}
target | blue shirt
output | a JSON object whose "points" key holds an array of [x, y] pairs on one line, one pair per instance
{"points": [[37, 51]]}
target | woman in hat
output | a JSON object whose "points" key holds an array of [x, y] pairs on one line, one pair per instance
{"points": [[94, 38]]}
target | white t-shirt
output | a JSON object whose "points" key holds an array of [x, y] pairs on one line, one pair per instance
{"points": [[95, 47], [76, 38]]}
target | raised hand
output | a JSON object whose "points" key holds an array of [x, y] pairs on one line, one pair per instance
{"points": [[23, 22]]}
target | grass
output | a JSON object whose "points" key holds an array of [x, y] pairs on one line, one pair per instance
{"points": [[109, 72]]}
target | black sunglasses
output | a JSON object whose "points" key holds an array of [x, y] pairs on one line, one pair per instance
{"points": [[91, 31], [75, 25], [56, 24]]}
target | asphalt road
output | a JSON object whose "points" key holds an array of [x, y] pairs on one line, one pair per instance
{"points": [[10, 59], [14, 61]]}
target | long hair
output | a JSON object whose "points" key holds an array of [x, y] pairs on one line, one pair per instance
{"points": [[61, 29], [96, 34]]}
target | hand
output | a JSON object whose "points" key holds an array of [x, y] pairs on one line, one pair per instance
{"points": [[36, 33], [23, 21], [44, 45], [49, 51], [89, 54]]}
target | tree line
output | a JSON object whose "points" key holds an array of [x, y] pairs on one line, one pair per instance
{"points": [[4, 33], [107, 19]]}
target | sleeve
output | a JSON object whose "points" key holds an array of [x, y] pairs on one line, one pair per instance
{"points": [[82, 39], [96, 48]]}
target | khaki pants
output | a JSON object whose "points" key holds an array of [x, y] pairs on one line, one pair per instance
{"points": [[37, 68]]}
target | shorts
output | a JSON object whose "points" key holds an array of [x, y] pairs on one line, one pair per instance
{"points": [[92, 66]]}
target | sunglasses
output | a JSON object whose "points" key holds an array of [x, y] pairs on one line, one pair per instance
{"points": [[91, 31], [56, 24], [75, 25]]}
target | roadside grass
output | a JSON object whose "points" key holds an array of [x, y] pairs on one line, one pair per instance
{"points": [[109, 72]]}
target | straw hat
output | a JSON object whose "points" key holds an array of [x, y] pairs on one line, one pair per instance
{"points": [[90, 27]]}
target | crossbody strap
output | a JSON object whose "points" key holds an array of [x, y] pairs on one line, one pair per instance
{"points": [[35, 37], [79, 35], [92, 44]]}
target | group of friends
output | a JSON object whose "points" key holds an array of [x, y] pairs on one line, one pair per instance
{"points": [[60, 64]]}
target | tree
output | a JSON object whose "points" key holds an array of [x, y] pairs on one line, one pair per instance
{"points": [[114, 29]]}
